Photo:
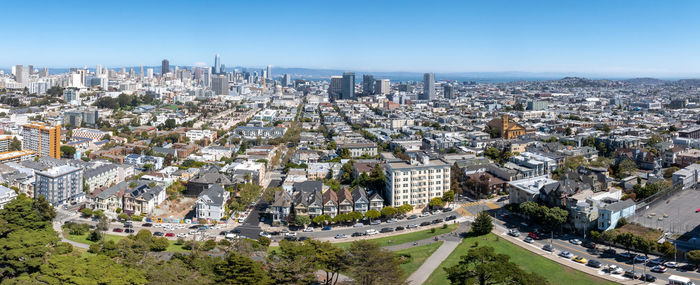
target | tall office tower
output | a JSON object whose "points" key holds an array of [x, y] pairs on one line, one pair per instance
{"points": [[219, 84], [42, 139], [98, 70], [124, 70], [222, 69], [367, 84], [348, 86], [217, 64], [141, 74], [44, 72], [336, 87], [263, 72], [382, 86], [206, 77], [131, 72], [60, 184], [286, 80], [448, 91], [428, 86], [30, 69], [20, 72], [149, 73], [164, 67], [269, 72]]}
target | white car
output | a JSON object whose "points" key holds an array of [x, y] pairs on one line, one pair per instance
{"points": [[182, 235], [341, 236], [424, 214], [614, 269], [575, 241], [290, 234], [308, 230], [566, 254], [265, 234], [671, 264], [371, 232]]}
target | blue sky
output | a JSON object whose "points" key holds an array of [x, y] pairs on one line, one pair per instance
{"points": [[656, 38]]}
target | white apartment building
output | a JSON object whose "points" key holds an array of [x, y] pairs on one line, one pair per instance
{"points": [[195, 135], [417, 181], [6, 195]]}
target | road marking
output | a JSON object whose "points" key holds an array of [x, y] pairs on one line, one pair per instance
{"points": [[492, 205]]}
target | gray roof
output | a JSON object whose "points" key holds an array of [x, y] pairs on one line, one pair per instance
{"points": [[359, 193], [619, 206], [99, 170], [111, 191], [215, 194], [308, 186]]}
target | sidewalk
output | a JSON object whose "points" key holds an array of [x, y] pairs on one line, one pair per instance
{"points": [[432, 263]]}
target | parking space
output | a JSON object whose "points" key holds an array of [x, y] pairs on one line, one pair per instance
{"points": [[678, 214]]}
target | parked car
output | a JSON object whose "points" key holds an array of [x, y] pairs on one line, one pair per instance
{"points": [[631, 274], [303, 238], [375, 222], [371, 232], [265, 234], [386, 230], [566, 254], [147, 225], [423, 224], [170, 235], [118, 230], [357, 234], [580, 259], [528, 240], [411, 217], [450, 218], [548, 247], [575, 241], [290, 238], [514, 232], [411, 226], [158, 234], [326, 228], [533, 236], [589, 244], [659, 268], [688, 267], [290, 234], [392, 220], [657, 261], [129, 230], [424, 214], [610, 251], [308, 229], [236, 231], [594, 263], [614, 269], [671, 264], [640, 259], [400, 228], [341, 236], [627, 255], [647, 277]]}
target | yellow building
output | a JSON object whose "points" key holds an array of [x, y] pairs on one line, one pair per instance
{"points": [[506, 128], [43, 139], [16, 156]]}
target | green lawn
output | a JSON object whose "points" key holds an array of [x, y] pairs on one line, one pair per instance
{"points": [[554, 272], [418, 254], [107, 237], [407, 237]]}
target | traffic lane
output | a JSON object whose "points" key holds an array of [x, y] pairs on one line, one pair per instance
{"points": [[212, 232], [251, 225], [350, 230]]}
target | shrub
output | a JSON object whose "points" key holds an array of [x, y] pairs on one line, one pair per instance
{"points": [[208, 245], [224, 243], [432, 231], [94, 236], [159, 244], [264, 241], [94, 248], [180, 241]]}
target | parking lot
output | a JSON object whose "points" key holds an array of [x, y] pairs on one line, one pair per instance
{"points": [[676, 214]]}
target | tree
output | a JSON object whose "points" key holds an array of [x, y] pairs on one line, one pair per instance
{"points": [[668, 173], [492, 153], [238, 269], [389, 211], [159, 244], [693, 256], [372, 214], [448, 196], [668, 250], [436, 202], [568, 131], [331, 145], [625, 168], [269, 194], [482, 224], [529, 209], [99, 269], [302, 220], [344, 153], [483, 266], [321, 219], [626, 240], [293, 263], [264, 241], [347, 172], [370, 264], [16, 144], [355, 216], [556, 216], [330, 259]]}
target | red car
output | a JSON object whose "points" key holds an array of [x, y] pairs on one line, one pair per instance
{"points": [[117, 230], [170, 235], [533, 236], [698, 210]]}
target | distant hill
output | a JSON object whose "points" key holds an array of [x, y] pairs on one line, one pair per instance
{"points": [[645, 81]]}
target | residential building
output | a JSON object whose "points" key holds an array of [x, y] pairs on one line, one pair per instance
{"points": [[376, 202], [526, 190], [360, 201], [610, 214], [367, 84], [360, 149], [211, 203], [6, 195], [101, 176], [60, 184], [44, 140], [382, 86], [281, 206], [197, 135], [330, 203], [345, 201], [17, 156], [417, 181]]}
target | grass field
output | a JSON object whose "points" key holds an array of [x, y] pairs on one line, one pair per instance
{"points": [[418, 254], [107, 237], [555, 273]]}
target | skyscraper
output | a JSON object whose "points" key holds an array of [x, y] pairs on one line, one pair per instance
{"points": [[367, 84], [348, 90], [269, 72], [382, 86], [286, 80], [217, 64], [206, 77], [219, 84], [429, 86], [165, 67], [336, 87], [20, 74], [448, 91], [98, 70], [44, 140]]}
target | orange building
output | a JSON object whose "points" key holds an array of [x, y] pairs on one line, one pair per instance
{"points": [[506, 128], [43, 139]]}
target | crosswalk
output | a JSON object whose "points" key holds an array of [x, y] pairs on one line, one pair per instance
{"points": [[462, 210]]}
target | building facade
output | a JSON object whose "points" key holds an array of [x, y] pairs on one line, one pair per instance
{"points": [[417, 181], [43, 139], [60, 184]]}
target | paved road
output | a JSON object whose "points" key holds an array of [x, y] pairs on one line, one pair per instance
{"points": [[251, 225], [562, 244]]}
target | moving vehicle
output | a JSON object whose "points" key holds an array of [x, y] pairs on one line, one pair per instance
{"points": [[386, 230], [594, 263], [265, 234], [659, 268], [437, 221], [640, 259], [647, 277], [147, 225], [632, 274], [589, 244], [290, 234], [657, 261], [514, 232], [230, 236], [341, 236], [548, 247], [371, 232], [566, 254], [533, 236], [627, 255], [580, 259], [357, 234], [610, 251], [575, 241], [450, 218], [411, 226], [528, 240], [671, 264], [688, 267], [118, 230], [679, 280]]}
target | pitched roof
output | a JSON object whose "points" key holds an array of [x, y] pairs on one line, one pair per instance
{"points": [[330, 195], [344, 195], [359, 193]]}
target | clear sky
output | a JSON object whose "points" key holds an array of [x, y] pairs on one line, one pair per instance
{"points": [[655, 38]]}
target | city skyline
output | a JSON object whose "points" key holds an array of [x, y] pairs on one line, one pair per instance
{"points": [[613, 39]]}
